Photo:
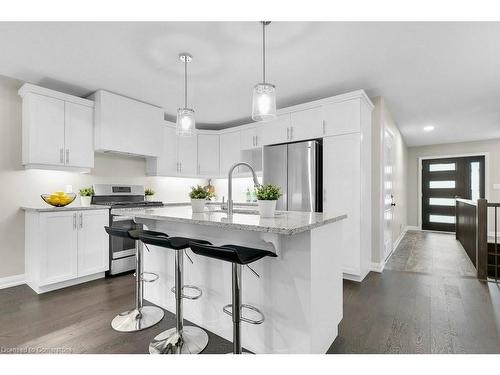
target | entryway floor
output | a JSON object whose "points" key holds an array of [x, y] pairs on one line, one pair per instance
{"points": [[419, 304], [426, 301]]}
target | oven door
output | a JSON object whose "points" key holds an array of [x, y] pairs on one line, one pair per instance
{"points": [[122, 247]]}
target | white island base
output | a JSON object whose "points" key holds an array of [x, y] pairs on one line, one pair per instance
{"points": [[300, 292]]}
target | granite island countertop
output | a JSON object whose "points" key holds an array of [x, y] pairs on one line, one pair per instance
{"points": [[285, 222]]}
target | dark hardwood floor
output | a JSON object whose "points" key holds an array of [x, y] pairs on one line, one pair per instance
{"points": [[398, 311]]}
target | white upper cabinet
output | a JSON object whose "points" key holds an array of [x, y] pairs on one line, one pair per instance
{"points": [[208, 155], [79, 135], [128, 126], [166, 163], [187, 156], [229, 151], [307, 124], [342, 118], [277, 131], [251, 138], [57, 130]]}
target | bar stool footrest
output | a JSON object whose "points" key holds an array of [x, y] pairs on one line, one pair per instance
{"points": [[228, 309], [187, 296], [151, 277]]}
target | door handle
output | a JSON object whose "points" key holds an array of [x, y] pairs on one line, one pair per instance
{"points": [[74, 221], [393, 204], [81, 220], [67, 156], [61, 155], [256, 140], [287, 133], [324, 127], [291, 132]]}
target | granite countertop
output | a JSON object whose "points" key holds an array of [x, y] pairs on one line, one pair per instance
{"points": [[45, 207], [285, 222]]}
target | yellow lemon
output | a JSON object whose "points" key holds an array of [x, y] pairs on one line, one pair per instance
{"points": [[59, 193]]}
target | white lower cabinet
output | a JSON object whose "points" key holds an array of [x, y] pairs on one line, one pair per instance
{"points": [[65, 248]]}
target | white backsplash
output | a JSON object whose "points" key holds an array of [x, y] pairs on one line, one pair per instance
{"points": [[240, 186]]}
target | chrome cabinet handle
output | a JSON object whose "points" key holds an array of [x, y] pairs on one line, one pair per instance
{"points": [[61, 155], [291, 132], [81, 220], [74, 221], [180, 167], [199, 169], [324, 127], [287, 133], [67, 156]]}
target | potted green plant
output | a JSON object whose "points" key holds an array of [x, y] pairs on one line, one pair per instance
{"points": [[267, 196], [149, 194], [86, 196], [199, 196]]}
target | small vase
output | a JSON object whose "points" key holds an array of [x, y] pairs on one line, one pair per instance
{"points": [[198, 205], [85, 201], [267, 208], [149, 198]]}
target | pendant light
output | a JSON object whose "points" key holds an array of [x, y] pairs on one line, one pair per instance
{"points": [[264, 94], [185, 116]]}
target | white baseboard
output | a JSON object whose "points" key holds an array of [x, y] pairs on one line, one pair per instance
{"points": [[377, 267], [15, 280], [411, 227]]}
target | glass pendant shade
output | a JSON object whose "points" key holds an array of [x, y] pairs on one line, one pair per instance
{"points": [[185, 122], [264, 102]]}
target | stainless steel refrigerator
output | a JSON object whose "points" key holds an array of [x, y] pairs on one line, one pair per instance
{"points": [[297, 169]]}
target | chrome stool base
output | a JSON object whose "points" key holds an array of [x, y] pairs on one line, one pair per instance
{"points": [[193, 341], [137, 319]]}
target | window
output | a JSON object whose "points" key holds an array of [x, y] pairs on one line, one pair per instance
{"points": [[442, 201], [442, 167], [442, 219], [474, 180], [442, 184]]}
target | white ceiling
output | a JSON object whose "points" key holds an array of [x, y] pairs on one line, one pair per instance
{"points": [[443, 74]]}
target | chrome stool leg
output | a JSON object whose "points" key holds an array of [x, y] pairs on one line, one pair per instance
{"points": [[181, 339], [140, 317]]}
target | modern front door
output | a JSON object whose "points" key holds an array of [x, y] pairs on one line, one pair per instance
{"points": [[442, 181]]}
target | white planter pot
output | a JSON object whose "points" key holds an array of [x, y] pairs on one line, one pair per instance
{"points": [[85, 201], [149, 198], [267, 208], [198, 205]]}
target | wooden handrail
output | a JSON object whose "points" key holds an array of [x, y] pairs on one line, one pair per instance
{"points": [[467, 201]]}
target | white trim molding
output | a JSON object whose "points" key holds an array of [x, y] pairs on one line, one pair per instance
{"points": [[379, 267], [412, 227], [9, 281]]}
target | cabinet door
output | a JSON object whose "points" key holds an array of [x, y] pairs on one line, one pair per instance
{"points": [[166, 163], [342, 118], [58, 254], [276, 131], [208, 155], [93, 251], [229, 151], [251, 138], [79, 139], [306, 124], [187, 155], [43, 130], [342, 194]]}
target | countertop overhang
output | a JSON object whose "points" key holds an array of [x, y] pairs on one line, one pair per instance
{"points": [[285, 222]]}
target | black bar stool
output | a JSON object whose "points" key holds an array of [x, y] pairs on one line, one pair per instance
{"points": [[238, 256], [140, 317], [180, 339]]}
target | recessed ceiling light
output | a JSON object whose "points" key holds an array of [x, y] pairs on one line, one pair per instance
{"points": [[428, 128]]}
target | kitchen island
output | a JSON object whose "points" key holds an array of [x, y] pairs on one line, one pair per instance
{"points": [[299, 292]]}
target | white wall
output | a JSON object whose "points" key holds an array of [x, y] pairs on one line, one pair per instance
{"points": [[381, 120], [492, 147], [23, 187]]}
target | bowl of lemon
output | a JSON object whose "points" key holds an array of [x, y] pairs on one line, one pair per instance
{"points": [[59, 198]]}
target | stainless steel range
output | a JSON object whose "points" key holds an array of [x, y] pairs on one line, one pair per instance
{"points": [[121, 250]]}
